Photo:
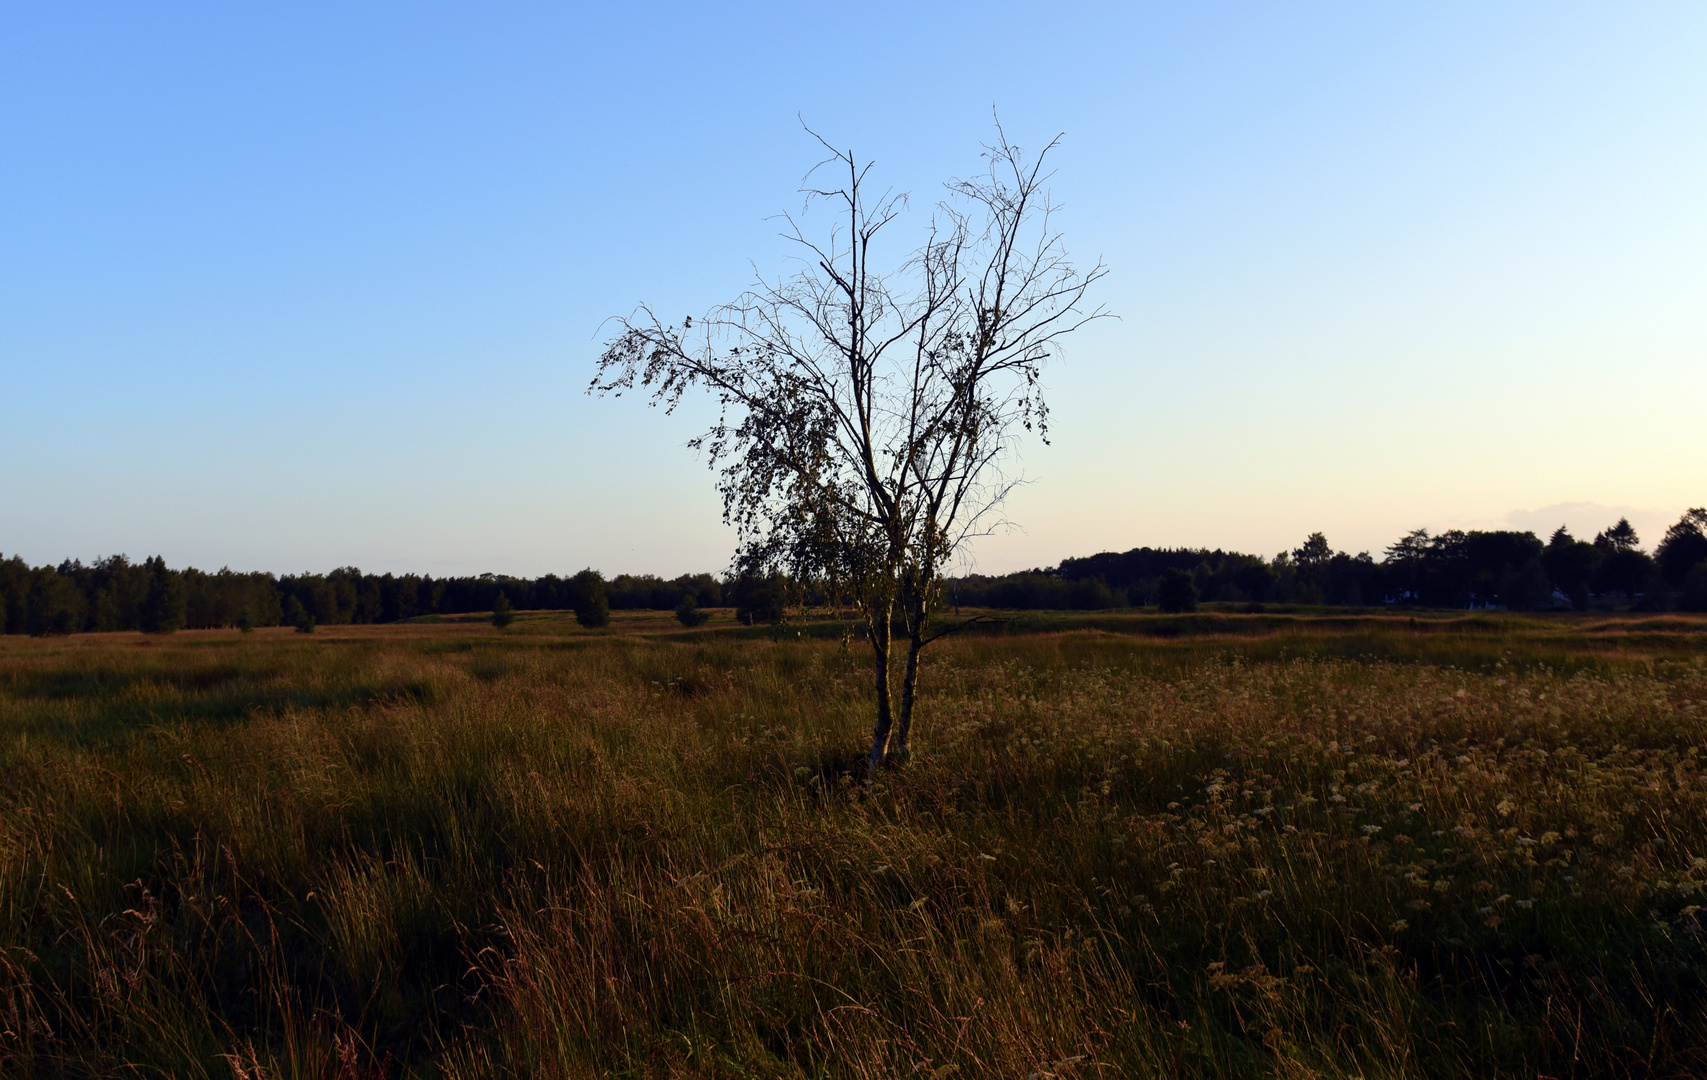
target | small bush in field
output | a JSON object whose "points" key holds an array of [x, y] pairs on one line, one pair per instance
{"points": [[689, 614], [1176, 592], [592, 606], [502, 613], [761, 599], [296, 615]]}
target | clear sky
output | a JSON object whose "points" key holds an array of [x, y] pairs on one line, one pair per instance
{"points": [[296, 286]]}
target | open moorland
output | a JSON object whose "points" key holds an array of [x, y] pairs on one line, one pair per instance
{"points": [[1126, 845]]}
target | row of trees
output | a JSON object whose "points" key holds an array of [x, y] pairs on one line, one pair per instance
{"points": [[1453, 569], [117, 594]]}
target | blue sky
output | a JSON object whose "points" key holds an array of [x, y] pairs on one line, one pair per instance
{"points": [[291, 288]]}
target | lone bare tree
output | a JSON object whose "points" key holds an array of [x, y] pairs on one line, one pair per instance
{"points": [[866, 416]]}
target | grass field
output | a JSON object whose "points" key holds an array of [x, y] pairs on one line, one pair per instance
{"points": [[1281, 845]]}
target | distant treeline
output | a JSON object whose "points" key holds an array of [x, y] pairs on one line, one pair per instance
{"points": [[1452, 570], [117, 594], [1455, 569]]}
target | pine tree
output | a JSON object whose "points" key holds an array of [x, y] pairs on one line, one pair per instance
{"points": [[502, 613]]}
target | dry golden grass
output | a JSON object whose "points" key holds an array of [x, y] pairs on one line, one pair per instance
{"points": [[1251, 846]]}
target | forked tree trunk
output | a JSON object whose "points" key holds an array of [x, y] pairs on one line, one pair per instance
{"points": [[881, 635]]}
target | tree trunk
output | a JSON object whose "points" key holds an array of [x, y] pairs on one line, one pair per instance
{"points": [[881, 634], [909, 679]]}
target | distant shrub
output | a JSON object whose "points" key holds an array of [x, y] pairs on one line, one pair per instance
{"points": [[587, 591], [1527, 588], [502, 613], [1653, 601], [689, 614], [1176, 592], [1624, 570], [1694, 596], [761, 599], [1090, 595], [298, 616]]}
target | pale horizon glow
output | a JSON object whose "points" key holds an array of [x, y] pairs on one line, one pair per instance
{"points": [[295, 289]]}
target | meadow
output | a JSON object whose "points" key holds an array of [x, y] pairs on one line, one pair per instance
{"points": [[1219, 845]]}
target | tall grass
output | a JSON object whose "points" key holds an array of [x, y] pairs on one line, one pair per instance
{"points": [[1293, 848]]}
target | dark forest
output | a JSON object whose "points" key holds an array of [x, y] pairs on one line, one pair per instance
{"points": [[1455, 569]]}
